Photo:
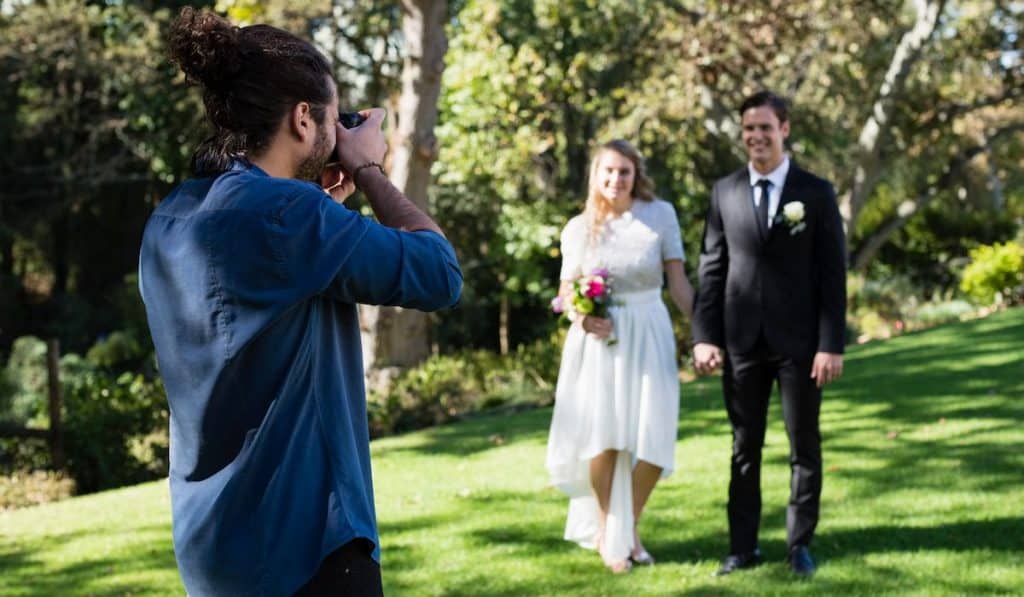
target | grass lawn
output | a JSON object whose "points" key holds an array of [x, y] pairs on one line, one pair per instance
{"points": [[924, 494]]}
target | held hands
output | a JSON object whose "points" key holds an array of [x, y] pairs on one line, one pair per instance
{"points": [[827, 368], [602, 328], [706, 357]]}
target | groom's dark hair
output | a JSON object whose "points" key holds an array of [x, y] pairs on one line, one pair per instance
{"points": [[766, 98]]}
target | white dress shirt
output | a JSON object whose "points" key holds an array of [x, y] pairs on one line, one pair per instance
{"points": [[778, 178]]}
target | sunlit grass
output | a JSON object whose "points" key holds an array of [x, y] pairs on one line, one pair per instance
{"points": [[924, 486]]}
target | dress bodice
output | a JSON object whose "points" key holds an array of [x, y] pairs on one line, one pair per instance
{"points": [[633, 247]]}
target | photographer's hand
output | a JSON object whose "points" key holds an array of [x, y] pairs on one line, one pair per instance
{"points": [[363, 144], [336, 183], [360, 152]]}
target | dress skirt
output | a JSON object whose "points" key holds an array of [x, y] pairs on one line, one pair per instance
{"points": [[621, 397]]}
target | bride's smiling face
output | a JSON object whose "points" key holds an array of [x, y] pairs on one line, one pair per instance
{"points": [[614, 176]]}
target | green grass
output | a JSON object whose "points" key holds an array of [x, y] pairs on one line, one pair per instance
{"points": [[924, 490]]}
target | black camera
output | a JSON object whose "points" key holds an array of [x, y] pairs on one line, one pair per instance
{"points": [[348, 120]]}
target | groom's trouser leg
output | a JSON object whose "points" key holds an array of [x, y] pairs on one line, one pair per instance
{"points": [[747, 384], [801, 403]]}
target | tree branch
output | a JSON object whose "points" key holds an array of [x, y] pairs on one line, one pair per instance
{"points": [[875, 132], [955, 167]]}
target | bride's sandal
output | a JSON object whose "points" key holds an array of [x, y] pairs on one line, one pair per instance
{"points": [[640, 556]]}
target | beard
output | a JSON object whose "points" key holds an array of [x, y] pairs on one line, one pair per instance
{"points": [[312, 166]]}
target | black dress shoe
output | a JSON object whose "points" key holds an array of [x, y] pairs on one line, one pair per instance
{"points": [[740, 561], [801, 562]]}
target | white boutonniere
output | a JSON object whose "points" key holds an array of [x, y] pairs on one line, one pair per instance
{"points": [[793, 216]]}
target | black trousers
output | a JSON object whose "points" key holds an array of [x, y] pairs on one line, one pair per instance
{"points": [[747, 384], [348, 570]]}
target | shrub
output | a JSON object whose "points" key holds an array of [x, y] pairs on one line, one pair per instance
{"points": [[938, 312], [109, 426], [115, 424], [24, 396], [881, 308], [448, 387], [119, 350], [33, 488], [995, 274]]}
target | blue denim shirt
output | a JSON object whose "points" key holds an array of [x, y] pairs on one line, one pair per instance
{"points": [[250, 285]]}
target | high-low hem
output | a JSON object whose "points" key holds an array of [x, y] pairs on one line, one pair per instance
{"points": [[622, 397]]}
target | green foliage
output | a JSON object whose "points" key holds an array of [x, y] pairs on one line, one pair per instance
{"points": [[117, 349], [103, 126], [885, 307], [115, 422], [450, 387], [110, 422], [995, 274], [25, 379]]}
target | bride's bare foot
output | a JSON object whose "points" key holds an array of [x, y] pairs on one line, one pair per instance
{"points": [[616, 566]]}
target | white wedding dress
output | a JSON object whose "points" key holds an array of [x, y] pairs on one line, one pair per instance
{"points": [[621, 397]]}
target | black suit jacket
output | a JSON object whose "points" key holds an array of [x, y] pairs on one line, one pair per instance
{"points": [[791, 286]]}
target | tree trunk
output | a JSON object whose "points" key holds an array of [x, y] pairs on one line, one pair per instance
{"points": [[503, 316], [874, 135], [56, 435], [395, 337]]}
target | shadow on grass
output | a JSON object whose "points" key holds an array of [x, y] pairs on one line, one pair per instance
{"points": [[150, 550], [477, 434], [996, 534], [932, 404]]}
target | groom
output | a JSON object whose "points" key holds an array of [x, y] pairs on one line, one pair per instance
{"points": [[771, 309]]}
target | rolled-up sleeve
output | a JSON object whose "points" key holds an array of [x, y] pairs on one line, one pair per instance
{"points": [[331, 250]]}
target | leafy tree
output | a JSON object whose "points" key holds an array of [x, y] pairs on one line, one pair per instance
{"points": [[102, 129]]}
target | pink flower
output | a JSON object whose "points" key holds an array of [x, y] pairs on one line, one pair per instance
{"points": [[557, 304], [595, 288]]}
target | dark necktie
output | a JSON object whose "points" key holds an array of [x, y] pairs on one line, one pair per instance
{"points": [[762, 206]]}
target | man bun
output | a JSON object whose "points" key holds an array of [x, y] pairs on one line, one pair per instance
{"points": [[206, 47], [249, 78]]}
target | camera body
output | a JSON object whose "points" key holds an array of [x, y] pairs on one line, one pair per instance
{"points": [[348, 120]]}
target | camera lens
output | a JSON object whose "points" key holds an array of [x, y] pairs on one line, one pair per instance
{"points": [[350, 119]]}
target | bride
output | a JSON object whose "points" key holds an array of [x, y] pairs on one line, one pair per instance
{"points": [[613, 430]]}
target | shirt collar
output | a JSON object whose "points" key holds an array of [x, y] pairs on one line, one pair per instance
{"points": [[242, 164], [776, 176]]}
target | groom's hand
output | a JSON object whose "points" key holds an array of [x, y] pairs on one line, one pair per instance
{"points": [[706, 357], [827, 368]]}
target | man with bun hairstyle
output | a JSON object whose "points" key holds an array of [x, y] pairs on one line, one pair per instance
{"points": [[250, 273]]}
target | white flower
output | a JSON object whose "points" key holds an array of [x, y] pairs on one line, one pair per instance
{"points": [[793, 212]]}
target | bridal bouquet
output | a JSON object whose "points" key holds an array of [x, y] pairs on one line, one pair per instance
{"points": [[590, 295]]}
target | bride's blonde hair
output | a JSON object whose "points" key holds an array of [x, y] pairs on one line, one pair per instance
{"points": [[597, 209]]}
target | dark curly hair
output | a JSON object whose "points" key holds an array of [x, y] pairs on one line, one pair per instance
{"points": [[250, 78]]}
